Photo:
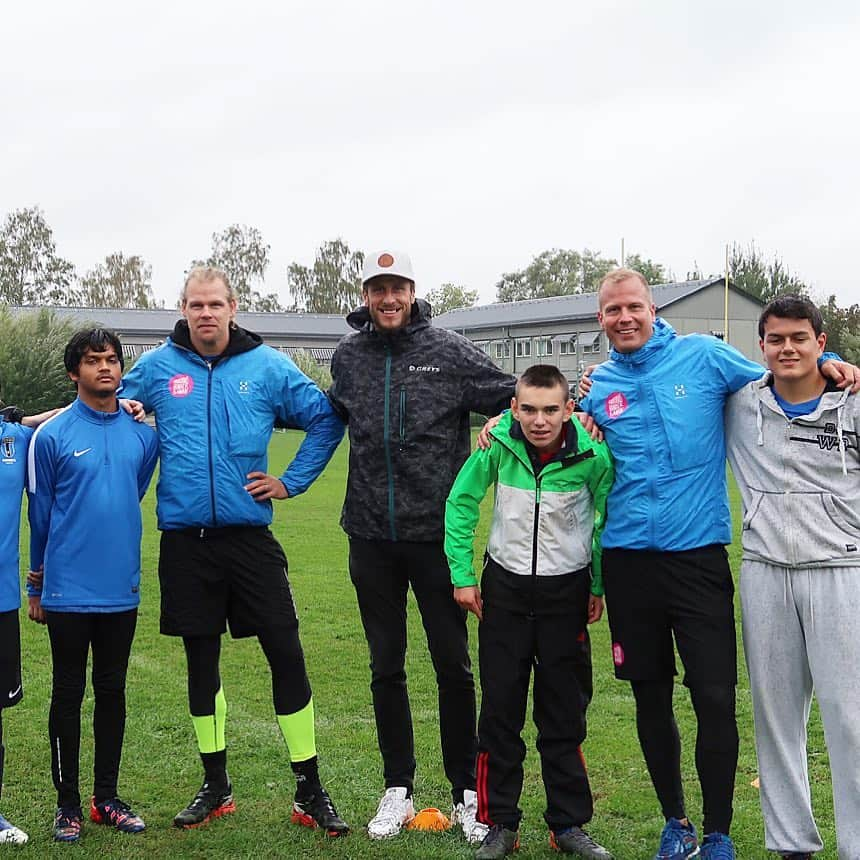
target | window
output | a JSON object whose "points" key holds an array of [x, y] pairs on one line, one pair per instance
{"points": [[503, 349], [544, 346], [567, 346], [524, 348], [591, 341]]}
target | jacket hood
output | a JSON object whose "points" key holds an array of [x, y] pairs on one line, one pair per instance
{"points": [[241, 340], [508, 427], [360, 320], [663, 333], [831, 398]]}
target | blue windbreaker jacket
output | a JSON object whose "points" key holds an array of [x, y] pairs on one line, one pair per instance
{"points": [[215, 418], [87, 472], [14, 439], [661, 410]]}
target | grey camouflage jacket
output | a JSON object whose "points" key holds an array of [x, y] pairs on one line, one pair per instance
{"points": [[406, 399]]}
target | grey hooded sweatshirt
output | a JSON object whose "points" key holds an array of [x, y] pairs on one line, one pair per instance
{"points": [[799, 479]]}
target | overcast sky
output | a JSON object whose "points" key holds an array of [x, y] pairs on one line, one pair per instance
{"points": [[473, 134]]}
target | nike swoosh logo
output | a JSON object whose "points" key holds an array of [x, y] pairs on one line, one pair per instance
{"points": [[81, 453], [15, 692]]}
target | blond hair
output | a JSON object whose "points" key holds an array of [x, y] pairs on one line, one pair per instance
{"points": [[205, 275], [622, 274]]}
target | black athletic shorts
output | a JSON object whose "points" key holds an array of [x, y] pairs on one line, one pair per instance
{"points": [[651, 596], [236, 574], [10, 659]]}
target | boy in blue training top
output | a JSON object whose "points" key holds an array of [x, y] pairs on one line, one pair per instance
{"points": [[89, 465]]}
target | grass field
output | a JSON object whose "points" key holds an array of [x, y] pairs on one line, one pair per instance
{"points": [[161, 770]]}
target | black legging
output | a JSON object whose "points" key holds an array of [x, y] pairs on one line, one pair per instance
{"points": [[716, 748], [72, 633], [291, 690]]}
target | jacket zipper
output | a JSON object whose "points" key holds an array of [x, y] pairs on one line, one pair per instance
{"points": [[535, 545], [209, 444], [402, 417], [386, 433]]}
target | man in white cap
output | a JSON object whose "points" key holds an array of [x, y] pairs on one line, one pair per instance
{"points": [[405, 389]]}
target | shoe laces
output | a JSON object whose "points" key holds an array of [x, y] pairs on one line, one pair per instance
{"points": [[494, 834], [391, 806], [675, 836], [68, 819], [718, 846], [323, 802], [580, 835], [116, 810]]}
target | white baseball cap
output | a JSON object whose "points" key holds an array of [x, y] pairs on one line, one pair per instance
{"points": [[387, 262]]}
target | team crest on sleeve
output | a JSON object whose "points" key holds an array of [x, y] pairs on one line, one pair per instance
{"points": [[8, 448], [616, 404], [180, 385]]}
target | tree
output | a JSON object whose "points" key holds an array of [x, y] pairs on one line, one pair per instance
{"points": [[654, 273], [31, 272], [242, 254], [119, 282], [766, 279], [307, 364], [332, 285], [449, 297], [843, 329], [554, 273], [32, 375]]}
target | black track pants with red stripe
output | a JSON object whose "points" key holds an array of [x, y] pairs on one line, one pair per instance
{"points": [[557, 647]]}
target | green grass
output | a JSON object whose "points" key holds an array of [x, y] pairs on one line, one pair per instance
{"points": [[161, 770]]}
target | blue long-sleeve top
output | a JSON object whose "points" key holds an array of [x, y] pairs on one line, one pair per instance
{"points": [[87, 472], [14, 439]]}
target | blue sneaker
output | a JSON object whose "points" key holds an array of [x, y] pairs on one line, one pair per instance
{"points": [[677, 841], [718, 846]]}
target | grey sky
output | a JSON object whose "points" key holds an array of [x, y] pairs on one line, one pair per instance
{"points": [[473, 135]]}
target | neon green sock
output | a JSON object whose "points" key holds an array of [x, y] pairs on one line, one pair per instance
{"points": [[210, 727], [298, 732]]}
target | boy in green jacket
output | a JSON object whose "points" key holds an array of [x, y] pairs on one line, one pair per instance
{"points": [[541, 587]]}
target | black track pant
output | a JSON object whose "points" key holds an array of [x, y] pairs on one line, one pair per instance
{"points": [[556, 648], [72, 635], [382, 572]]}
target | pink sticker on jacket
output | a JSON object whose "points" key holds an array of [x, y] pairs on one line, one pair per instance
{"points": [[181, 385], [616, 404]]}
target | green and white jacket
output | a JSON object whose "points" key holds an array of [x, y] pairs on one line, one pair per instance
{"points": [[543, 525]]}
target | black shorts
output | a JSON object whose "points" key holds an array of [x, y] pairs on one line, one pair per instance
{"points": [[10, 659], [651, 596], [236, 574]]}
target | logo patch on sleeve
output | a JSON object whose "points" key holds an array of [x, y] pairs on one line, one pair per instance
{"points": [[617, 654]]}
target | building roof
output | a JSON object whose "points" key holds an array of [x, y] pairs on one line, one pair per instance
{"points": [[582, 306], [160, 321]]}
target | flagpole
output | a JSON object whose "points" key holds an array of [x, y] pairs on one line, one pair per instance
{"points": [[726, 308]]}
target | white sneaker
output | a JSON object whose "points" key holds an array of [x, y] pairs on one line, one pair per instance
{"points": [[394, 810], [465, 814], [11, 834]]}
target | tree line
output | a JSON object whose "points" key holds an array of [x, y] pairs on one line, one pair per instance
{"points": [[32, 273]]}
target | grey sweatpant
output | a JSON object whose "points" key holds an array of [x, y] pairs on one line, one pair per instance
{"points": [[801, 629]]}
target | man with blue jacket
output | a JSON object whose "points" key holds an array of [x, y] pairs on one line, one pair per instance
{"points": [[90, 461], [659, 401], [217, 392]]}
